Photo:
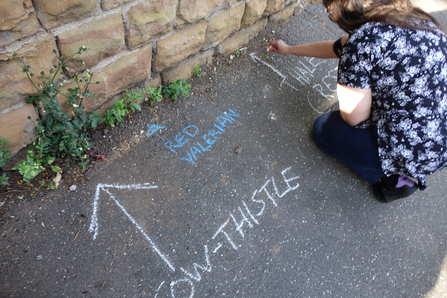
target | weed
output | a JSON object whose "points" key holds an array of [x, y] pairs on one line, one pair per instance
{"points": [[57, 132], [115, 113], [4, 156], [4, 179], [33, 165], [130, 97], [237, 53], [121, 107], [154, 94], [176, 89], [51, 186], [197, 71]]}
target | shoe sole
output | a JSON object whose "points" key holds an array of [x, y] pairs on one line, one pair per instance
{"points": [[378, 193]]}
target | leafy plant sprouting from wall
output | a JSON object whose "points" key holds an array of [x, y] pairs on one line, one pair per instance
{"points": [[175, 89], [121, 107], [154, 95], [59, 134], [197, 71]]}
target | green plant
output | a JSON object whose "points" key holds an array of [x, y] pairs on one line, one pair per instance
{"points": [[4, 179], [115, 113], [58, 133], [4, 156], [130, 97], [121, 107], [33, 165], [237, 53], [154, 94], [197, 71], [175, 89]]}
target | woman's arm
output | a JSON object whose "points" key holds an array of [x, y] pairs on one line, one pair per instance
{"points": [[321, 49], [355, 104]]}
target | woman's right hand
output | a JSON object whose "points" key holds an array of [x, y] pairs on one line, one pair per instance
{"points": [[278, 46]]}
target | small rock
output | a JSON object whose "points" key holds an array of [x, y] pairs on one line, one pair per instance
{"points": [[238, 150], [106, 131], [73, 188], [39, 258]]}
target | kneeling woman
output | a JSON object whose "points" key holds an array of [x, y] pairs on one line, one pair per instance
{"points": [[392, 89]]}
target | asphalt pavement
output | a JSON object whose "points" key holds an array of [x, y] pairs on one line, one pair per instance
{"points": [[226, 194]]}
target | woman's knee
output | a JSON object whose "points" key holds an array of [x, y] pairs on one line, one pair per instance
{"points": [[318, 130], [323, 126]]}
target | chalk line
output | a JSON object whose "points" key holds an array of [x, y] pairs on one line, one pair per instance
{"points": [[185, 280], [207, 268], [254, 57], [217, 248], [153, 128], [158, 290], [94, 224]]}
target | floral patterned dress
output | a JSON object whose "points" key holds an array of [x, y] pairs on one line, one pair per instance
{"points": [[406, 70]]}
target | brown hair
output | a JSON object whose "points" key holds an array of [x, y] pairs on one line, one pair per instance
{"points": [[351, 14]]}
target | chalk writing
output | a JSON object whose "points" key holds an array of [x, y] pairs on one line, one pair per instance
{"points": [[327, 80], [205, 268], [231, 233], [284, 77], [304, 74], [227, 233], [199, 143], [153, 129], [159, 287]]}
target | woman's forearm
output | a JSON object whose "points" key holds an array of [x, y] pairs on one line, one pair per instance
{"points": [[321, 49]]}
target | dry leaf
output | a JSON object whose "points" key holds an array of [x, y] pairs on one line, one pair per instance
{"points": [[57, 179]]}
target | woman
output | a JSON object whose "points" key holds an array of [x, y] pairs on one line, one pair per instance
{"points": [[392, 89]]}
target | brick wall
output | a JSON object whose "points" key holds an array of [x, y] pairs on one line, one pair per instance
{"points": [[130, 42]]}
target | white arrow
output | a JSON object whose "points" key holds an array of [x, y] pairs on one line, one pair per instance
{"points": [[94, 223], [284, 77]]}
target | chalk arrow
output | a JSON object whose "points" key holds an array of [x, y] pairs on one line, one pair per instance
{"points": [[94, 223], [284, 77], [153, 129]]}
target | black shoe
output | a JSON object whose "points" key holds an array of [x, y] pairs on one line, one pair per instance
{"points": [[395, 187]]}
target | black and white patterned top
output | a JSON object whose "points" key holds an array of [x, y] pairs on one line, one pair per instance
{"points": [[407, 72]]}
